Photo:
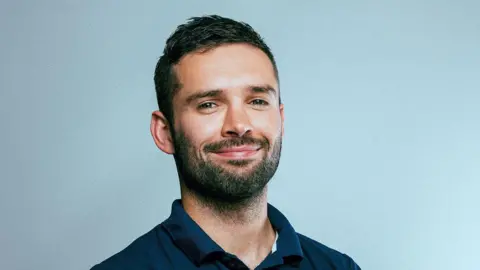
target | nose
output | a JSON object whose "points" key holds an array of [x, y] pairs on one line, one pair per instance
{"points": [[237, 123]]}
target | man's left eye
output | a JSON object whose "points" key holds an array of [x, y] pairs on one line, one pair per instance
{"points": [[259, 102]]}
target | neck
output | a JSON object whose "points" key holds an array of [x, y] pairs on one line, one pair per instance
{"points": [[242, 229]]}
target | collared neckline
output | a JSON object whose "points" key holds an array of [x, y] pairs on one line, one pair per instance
{"points": [[198, 246]]}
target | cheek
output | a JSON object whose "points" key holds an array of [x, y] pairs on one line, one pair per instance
{"points": [[269, 124], [200, 129]]}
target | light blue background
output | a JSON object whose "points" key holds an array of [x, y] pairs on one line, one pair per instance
{"points": [[381, 154]]}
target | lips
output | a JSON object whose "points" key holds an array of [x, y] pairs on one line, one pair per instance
{"points": [[238, 152], [245, 148]]}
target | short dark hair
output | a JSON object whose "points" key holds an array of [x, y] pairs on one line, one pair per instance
{"points": [[199, 34]]}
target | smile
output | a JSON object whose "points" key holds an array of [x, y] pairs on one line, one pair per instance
{"points": [[242, 152]]}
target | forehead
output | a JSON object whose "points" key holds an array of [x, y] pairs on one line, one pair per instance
{"points": [[226, 67]]}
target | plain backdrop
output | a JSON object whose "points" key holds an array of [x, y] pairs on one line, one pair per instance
{"points": [[381, 156]]}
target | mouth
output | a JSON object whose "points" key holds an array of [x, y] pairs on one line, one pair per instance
{"points": [[241, 152]]}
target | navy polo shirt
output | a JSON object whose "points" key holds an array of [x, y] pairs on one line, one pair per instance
{"points": [[179, 243]]}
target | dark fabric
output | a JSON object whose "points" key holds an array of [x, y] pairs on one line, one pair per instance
{"points": [[179, 243]]}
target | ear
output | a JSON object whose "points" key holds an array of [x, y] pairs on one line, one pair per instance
{"points": [[282, 117], [161, 133]]}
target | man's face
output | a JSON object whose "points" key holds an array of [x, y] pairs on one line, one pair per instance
{"points": [[228, 122]]}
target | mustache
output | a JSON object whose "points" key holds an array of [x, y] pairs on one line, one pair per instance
{"points": [[235, 142]]}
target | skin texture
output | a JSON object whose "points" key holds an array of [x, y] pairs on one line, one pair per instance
{"points": [[226, 140]]}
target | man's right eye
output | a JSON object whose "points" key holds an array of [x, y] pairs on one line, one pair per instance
{"points": [[206, 105]]}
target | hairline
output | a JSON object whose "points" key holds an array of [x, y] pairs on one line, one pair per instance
{"points": [[177, 85]]}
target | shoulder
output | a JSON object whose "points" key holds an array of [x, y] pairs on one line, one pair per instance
{"points": [[315, 251], [139, 254]]}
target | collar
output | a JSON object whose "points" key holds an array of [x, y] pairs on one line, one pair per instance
{"points": [[199, 247]]}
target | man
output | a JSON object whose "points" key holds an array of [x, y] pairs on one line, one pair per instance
{"points": [[221, 117]]}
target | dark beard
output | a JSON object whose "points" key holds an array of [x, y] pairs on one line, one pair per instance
{"points": [[215, 185]]}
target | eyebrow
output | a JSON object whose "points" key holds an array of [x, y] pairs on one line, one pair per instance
{"points": [[203, 94], [268, 89]]}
